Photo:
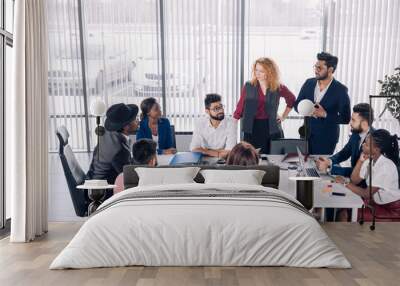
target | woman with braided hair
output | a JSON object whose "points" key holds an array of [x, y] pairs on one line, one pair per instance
{"points": [[383, 149]]}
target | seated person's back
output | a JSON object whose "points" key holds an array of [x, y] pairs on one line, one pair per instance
{"points": [[243, 154], [144, 152]]}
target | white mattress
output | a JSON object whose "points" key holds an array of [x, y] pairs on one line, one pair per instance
{"points": [[191, 231]]}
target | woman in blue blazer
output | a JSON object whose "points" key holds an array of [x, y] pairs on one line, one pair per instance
{"points": [[153, 126]]}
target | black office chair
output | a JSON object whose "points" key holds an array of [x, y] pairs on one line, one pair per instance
{"points": [[285, 146], [73, 173], [173, 136]]}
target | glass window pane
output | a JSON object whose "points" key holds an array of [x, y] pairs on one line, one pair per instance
{"points": [[1, 15], [8, 86], [202, 44], [9, 15], [122, 52], [291, 35], [2, 205]]}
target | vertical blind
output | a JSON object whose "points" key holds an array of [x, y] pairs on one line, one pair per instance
{"points": [[66, 106], [365, 35], [202, 52], [122, 52], [289, 32], [202, 46]]}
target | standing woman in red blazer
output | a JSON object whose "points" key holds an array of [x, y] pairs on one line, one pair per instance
{"points": [[258, 105]]}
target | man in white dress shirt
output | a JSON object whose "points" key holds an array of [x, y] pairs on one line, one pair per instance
{"points": [[214, 135]]}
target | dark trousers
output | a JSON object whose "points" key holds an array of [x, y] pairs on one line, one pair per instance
{"points": [[260, 137]]}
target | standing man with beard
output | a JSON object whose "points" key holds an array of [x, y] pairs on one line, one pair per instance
{"points": [[332, 105], [214, 135], [360, 128]]}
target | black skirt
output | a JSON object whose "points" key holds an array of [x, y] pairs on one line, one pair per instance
{"points": [[260, 137]]}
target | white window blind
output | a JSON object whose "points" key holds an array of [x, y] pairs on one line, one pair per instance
{"points": [[66, 105], [202, 46], [289, 32], [365, 35]]}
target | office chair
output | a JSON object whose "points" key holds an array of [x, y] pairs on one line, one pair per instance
{"points": [[73, 173], [173, 136], [285, 146]]}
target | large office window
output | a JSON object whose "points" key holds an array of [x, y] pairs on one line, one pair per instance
{"points": [[122, 51], [65, 85], [202, 55], [177, 51], [365, 35], [289, 32], [6, 64], [119, 45]]}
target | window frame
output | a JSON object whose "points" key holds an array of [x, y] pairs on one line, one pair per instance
{"points": [[6, 40]]}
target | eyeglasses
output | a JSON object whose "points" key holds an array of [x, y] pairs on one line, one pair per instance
{"points": [[218, 108], [318, 68]]}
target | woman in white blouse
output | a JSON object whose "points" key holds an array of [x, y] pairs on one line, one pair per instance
{"points": [[384, 153]]}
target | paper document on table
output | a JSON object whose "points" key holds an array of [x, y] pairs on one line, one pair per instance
{"points": [[339, 188]]}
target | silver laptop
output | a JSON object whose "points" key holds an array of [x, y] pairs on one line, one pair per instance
{"points": [[306, 172]]}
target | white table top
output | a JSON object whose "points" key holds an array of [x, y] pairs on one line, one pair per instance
{"points": [[86, 187], [321, 199]]}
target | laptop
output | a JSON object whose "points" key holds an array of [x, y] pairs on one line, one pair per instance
{"points": [[186, 158], [306, 172]]}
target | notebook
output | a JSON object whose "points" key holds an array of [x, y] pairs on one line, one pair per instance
{"points": [[186, 158]]}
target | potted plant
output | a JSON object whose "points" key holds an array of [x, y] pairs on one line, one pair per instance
{"points": [[390, 86]]}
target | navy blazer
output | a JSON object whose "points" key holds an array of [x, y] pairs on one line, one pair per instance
{"points": [[164, 133], [351, 149], [324, 132]]}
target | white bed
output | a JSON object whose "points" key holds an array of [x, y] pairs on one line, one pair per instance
{"points": [[235, 229]]}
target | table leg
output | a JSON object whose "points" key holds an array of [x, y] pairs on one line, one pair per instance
{"points": [[322, 218], [97, 197], [354, 214], [304, 193]]}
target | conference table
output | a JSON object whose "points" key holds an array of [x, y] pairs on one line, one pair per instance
{"points": [[321, 198]]}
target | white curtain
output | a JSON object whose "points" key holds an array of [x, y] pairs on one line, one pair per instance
{"points": [[365, 35], [27, 123]]}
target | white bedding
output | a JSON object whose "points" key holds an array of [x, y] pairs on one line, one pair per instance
{"points": [[185, 231]]}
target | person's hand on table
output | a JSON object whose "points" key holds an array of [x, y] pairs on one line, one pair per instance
{"points": [[169, 151], [223, 154], [323, 164], [340, 180]]}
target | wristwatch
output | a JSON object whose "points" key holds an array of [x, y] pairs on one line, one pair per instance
{"points": [[328, 170]]}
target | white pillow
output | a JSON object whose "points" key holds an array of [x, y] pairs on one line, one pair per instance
{"points": [[166, 176], [248, 177]]}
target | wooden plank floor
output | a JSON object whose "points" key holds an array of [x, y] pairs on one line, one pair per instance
{"points": [[375, 257]]}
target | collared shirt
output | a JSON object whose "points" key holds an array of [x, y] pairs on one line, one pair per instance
{"points": [[319, 94], [207, 136], [128, 141], [385, 177], [362, 137], [126, 137], [155, 138]]}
